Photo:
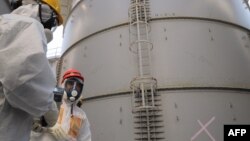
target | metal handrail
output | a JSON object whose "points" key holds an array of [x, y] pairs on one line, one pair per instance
{"points": [[54, 53]]}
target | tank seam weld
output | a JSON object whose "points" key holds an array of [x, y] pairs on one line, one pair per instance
{"points": [[172, 89]]}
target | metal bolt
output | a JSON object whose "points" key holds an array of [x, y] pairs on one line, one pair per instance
{"points": [[212, 38], [177, 118], [231, 105], [234, 119]]}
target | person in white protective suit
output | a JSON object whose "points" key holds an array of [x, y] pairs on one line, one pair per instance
{"points": [[26, 79], [72, 123]]}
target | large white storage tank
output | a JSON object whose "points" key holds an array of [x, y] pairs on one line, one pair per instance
{"points": [[196, 74]]}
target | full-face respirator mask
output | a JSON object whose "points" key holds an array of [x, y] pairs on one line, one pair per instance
{"points": [[46, 14], [73, 89]]}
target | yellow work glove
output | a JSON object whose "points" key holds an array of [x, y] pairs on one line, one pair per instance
{"points": [[37, 127], [58, 133]]}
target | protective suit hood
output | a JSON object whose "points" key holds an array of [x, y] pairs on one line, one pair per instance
{"points": [[31, 10]]}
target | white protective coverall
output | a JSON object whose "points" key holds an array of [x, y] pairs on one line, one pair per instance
{"points": [[74, 127], [26, 79]]}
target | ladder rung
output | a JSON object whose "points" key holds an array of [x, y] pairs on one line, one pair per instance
{"points": [[146, 139], [147, 132], [144, 116], [149, 121], [151, 126], [137, 111], [149, 99]]}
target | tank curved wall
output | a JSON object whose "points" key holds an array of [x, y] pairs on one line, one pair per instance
{"points": [[200, 59]]}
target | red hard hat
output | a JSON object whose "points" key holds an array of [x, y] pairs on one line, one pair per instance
{"points": [[72, 73]]}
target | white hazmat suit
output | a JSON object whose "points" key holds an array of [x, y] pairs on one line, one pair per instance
{"points": [[26, 79], [69, 127]]}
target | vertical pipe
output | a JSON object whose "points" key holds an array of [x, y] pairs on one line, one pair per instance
{"points": [[152, 95], [143, 94], [148, 124]]}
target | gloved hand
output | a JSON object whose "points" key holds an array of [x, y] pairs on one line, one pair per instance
{"points": [[52, 115], [37, 127], [49, 118], [58, 133]]}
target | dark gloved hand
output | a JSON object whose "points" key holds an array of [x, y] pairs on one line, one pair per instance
{"points": [[80, 102], [37, 127]]}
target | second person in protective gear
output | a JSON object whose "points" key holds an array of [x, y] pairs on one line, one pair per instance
{"points": [[72, 123]]}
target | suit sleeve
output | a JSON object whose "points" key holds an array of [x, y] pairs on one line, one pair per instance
{"points": [[25, 73]]}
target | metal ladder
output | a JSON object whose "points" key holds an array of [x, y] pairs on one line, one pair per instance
{"points": [[148, 121], [145, 101]]}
